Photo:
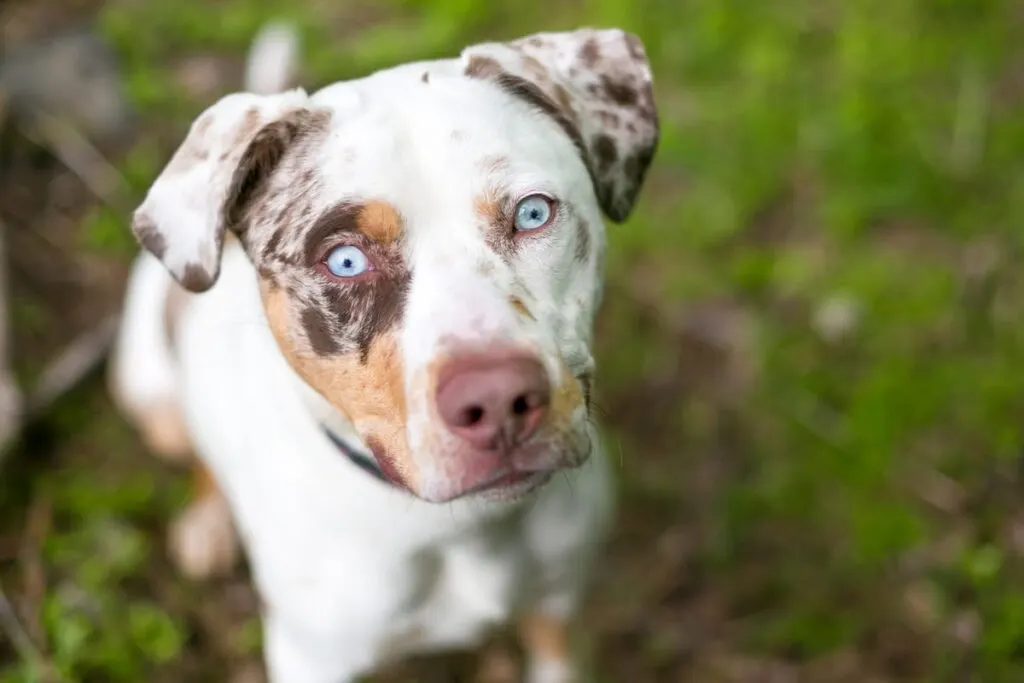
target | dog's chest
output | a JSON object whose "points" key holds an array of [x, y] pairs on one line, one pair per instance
{"points": [[458, 594]]}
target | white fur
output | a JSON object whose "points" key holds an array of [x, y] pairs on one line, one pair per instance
{"points": [[353, 572]]}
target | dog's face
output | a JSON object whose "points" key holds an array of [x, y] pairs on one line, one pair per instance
{"points": [[428, 242]]}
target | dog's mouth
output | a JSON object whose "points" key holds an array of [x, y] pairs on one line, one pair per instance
{"points": [[512, 484]]}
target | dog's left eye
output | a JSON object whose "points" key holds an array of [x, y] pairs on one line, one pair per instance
{"points": [[347, 261], [534, 212]]}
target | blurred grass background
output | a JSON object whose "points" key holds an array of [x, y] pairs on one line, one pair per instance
{"points": [[811, 358]]}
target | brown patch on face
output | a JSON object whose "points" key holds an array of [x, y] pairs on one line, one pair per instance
{"points": [[380, 222], [520, 307], [369, 392], [582, 241], [496, 216], [425, 77], [318, 331]]}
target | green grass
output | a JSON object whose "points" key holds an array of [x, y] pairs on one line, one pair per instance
{"points": [[811, 149]]}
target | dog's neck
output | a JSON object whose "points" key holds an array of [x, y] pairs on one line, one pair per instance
{"points": [[338, 430]]}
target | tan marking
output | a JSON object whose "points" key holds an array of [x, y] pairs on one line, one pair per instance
{"points": [[369, 394], [545, 638], [203, 483], [566, 395], [520, 307], [163, 431], [488, 207], [380, 222]]}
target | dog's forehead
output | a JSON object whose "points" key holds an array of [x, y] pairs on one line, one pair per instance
{"points": [[424, 132]]}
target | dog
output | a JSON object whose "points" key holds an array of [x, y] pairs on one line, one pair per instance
{"points": [[366, 315]]}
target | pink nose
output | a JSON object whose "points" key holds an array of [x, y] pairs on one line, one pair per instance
{"points": [[493, 401]]}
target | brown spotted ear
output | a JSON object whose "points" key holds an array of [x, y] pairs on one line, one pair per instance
{"points": [[597, 84], [229, 151]]}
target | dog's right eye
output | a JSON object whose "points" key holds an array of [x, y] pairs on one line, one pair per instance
{"points": [[347, 261]]}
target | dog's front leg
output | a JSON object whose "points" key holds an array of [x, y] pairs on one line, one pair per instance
{"points": [[293, 657], [545, 640]]}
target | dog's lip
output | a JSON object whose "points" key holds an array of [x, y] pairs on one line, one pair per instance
{"points": [[508, 480]]}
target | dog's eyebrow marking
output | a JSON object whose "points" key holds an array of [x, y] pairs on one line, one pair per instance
{"points": [[380, 222], [342, 217], [376, 220]]}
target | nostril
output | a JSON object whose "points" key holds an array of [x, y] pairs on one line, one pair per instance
{"points": [[471, 416], [520, 405]]}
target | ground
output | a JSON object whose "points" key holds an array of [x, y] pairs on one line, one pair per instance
{"points": [[811, 362]]}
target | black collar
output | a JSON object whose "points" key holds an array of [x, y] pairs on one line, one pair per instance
{"points": [[358, 459]]}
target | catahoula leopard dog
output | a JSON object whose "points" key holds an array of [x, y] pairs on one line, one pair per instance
{"points": [[366, 315]]}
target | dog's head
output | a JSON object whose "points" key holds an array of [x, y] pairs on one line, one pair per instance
{"points": [[428, 242]]}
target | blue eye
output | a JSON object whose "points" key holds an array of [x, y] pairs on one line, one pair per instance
{"points": [[347, 261], [533, 212]]}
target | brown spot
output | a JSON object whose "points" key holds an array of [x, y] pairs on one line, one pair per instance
{"points": [[380, 222], [195, 278], [425, 77], [564, 101], [483, 67], [604, 152], [590, 53], [369, 392], [582, 241], [608, 119], [148, 235], [318, 331], [269, 250], [520, 307], [635, 47], [620, 93]]}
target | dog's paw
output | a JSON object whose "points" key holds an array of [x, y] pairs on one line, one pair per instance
{"points": [[202, 541], [550, 671], [497, 665]]}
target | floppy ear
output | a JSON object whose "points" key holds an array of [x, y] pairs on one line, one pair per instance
{"points": [[229, 152], [597, 85]]}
